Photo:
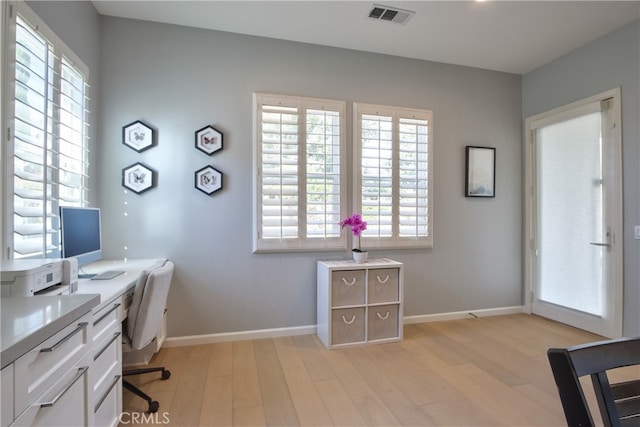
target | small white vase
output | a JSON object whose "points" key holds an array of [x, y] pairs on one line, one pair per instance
{"points": [[360, 257]]}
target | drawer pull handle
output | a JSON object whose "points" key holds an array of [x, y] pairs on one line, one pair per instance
{"points": [[348, 322], [115, 336], [382, 281], [353, 281], [81, 372], [106, 393], [106, 314], [381, 317], [80, 327]]}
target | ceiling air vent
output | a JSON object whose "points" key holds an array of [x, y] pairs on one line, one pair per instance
{"points": [[390, 14]]}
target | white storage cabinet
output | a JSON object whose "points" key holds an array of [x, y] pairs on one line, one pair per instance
{"points": [[51, 385], [6, 392], [106, 375], [359, 303]]}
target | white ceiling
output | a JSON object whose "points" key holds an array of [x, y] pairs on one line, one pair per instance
{"points": [[510, 36]]}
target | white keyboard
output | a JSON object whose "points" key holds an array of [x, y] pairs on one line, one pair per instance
{"points": [[106, 275]]}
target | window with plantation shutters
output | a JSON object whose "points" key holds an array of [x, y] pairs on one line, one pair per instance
{"points": [[47, 150], [300, 185], [393, 185]]}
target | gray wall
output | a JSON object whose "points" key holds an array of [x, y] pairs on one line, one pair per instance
{"points": [[611, 61], [180, 79]]}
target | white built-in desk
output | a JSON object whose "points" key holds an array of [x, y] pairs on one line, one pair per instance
{"points": [[67, 349], [115, 298], [113, 288]]}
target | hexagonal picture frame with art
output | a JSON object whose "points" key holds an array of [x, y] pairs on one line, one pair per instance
{"points": [[138, 136], [208, 180], [138, 178], [208, 140]]}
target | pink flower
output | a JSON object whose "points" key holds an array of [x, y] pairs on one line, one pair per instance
{"points": [[357, 225]]}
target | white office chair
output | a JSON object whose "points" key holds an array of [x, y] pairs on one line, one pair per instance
{"points": [[145, 320]]}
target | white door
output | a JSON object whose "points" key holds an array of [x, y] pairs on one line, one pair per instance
{"points": [[574, 258]]}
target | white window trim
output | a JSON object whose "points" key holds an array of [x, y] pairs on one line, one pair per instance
{"points": [[301, 243], [395, 241], [3, 125]]}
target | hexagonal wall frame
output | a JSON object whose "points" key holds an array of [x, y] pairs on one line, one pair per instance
{"points": [[208, 180], [138, 136], [138, 178], [208, 140]]}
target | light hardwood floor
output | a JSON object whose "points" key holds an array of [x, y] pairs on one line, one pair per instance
{"points": [[489, 371]]}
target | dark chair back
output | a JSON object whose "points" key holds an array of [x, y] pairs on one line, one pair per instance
{"points": [[619, 404]]}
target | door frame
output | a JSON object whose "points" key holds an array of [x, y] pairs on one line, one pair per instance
{"points": [[613, 305]]}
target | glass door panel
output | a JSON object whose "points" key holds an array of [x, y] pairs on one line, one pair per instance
{"points": [[570, 214]]}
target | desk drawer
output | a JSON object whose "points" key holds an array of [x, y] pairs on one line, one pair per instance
{"points": [[107, 405], [64, 404], [127, 299], [6, 395], [106, 372], [106, 358], [40, 368], [107, 320]]}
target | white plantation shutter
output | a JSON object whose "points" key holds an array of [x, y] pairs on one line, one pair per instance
{"points": [[323, 174], [377, 174], [72, 136], [279, 172], [413, 192], [299, 187], [393, 187], [32, 71], [48, 128]]}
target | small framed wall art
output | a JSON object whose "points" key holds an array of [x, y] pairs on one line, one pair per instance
{"points": [[208, 140], [480, 179], [208, 180], [138, 136], [138, 178]]}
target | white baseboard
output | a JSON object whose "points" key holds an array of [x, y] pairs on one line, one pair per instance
{"points": [[239, 336], [439, 317], [311, 329]]}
